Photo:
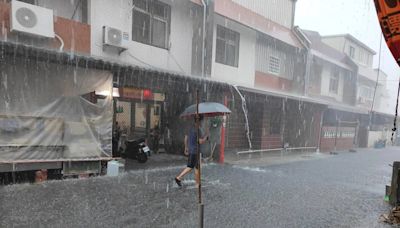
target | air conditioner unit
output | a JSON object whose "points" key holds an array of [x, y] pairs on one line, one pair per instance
{"points": [[31, 19], [114, 39]]}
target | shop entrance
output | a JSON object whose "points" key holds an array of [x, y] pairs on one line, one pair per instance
{"points": [[139, 115], [138, 119]]}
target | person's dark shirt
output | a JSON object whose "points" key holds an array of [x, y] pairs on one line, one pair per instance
{"points": [[192, 137]]}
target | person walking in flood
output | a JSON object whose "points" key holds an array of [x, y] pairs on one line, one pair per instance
{"points": [[191, 150]]}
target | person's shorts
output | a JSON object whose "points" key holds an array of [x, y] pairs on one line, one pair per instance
{"points": [[192, 161]]}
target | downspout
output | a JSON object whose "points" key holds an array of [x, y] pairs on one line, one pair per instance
{"points": [[321, 122], [307, 45], [204, 38], [293, 11]]}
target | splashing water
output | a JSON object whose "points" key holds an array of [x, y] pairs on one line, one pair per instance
{"points": [[167, 201], [245, 111]]}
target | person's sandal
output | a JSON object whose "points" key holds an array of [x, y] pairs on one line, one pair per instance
{"points": [[178, 182]]}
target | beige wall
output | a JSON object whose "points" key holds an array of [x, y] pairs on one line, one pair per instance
{"points": [[361, 55], [244, 73], [279, 11], [325, 81], [118, 15], [335, 42]]}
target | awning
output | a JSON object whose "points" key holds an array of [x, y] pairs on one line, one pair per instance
{"points": [[330, 59], [329, 105], [348, 108], [284, 95]]}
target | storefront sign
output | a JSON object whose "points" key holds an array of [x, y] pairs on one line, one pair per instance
{"points": [[141, 94]]}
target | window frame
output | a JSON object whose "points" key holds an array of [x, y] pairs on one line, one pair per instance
{"points": [[367, 93], [334, 81], [227, 42], [150, 12], [352, 52]]}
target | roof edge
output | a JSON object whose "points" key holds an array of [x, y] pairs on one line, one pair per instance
{"points": [[351, 37]]}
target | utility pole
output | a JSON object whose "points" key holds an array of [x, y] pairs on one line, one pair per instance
{"points": [[201, 205]]}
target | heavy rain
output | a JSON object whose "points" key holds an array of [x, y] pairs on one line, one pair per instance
{"points": [[199, 113]]}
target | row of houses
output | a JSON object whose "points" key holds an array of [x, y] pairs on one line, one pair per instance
{"points": [[286, 86]]}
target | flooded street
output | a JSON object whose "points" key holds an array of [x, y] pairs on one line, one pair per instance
{"points": [[344, 190], [105, 106]]}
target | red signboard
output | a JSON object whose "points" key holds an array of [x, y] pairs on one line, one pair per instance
{"points": [[140, 94]]}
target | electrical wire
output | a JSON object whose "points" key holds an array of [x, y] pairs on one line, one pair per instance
{"points": [[141, 61], [61, 41], [395, 115], [177, 63], [76, 8], [377, 77]]}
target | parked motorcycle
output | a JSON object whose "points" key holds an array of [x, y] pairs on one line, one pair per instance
{"points": [[136, 149]]}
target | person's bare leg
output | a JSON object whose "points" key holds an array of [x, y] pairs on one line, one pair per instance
{"points": [[183, 173], [197, 177]]}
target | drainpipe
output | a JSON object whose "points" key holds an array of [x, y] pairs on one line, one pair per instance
{"points": [[309, 60], [307, 46], [293, 11], [321, 122], [204, 38]]}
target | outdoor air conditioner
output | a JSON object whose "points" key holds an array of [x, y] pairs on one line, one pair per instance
{"points": [[31, 19], [115, 39]]}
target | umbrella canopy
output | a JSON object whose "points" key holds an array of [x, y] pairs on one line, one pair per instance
{"points": [[207, 109], [388, 14]]}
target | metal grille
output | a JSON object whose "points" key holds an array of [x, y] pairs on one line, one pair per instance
{"points": [[274, 65], [123, 117], [114, 36], [26, 17]]}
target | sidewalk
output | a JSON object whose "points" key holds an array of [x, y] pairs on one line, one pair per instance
{"points": [[156, 161], [271, 158]]}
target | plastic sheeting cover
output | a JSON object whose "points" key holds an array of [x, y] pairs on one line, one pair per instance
{"points": [[48, 111]]}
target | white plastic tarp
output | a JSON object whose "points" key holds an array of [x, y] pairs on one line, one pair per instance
{"points": [[49, 111]]}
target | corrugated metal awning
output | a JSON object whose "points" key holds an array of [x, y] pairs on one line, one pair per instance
{"points": [[347, 108], [329, 105], [284, 95]]}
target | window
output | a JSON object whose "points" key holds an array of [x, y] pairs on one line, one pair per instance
{"points": [[227, 48], [367, 92], [275, 122], [352, 52], [363, 57], [150, 22], [274, 65], [334, 81]]}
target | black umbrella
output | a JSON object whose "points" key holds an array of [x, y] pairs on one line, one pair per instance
{"points": [[207, 109]]}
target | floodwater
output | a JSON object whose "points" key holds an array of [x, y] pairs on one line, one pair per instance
{"points": [[344, 190]]}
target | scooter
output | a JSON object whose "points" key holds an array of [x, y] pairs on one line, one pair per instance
{"points": [[136, 149]]}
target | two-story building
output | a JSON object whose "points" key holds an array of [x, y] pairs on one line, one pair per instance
{"points": [[245, 54], [340, 72], [370, 85], [332, 77], [362, 55], [242, 45]]}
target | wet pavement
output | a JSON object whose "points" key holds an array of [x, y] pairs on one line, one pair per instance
{"points": [[344, 190]]}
